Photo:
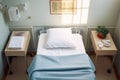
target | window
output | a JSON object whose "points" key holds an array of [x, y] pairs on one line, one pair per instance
{"points": [[81, 14]]}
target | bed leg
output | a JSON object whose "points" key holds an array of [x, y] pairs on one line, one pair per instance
{"points": [[26, 72], [109, 71], [95, 72]]}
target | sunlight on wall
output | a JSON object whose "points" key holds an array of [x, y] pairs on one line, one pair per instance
{"points": [[81, 15]]}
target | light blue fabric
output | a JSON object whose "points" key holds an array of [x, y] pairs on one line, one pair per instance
{"points": [[72, 67]]}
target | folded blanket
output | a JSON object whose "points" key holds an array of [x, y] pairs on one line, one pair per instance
{"points": [[71, 67]]}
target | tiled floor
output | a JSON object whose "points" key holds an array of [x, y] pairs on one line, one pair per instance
{"points": [[19, 69]]}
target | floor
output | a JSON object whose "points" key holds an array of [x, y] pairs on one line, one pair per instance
{"points": [[19, 68]]}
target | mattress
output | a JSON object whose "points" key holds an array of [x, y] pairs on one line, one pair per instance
{"points": [[41, 50]]}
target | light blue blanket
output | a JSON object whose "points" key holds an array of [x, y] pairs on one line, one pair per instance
{"points": [[72, 67]]}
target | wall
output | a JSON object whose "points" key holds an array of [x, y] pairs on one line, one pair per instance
{"points": [[117, 36], [102, 12], [4, 32]]}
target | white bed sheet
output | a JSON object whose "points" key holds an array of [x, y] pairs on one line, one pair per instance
{"points": [[41, 50]]}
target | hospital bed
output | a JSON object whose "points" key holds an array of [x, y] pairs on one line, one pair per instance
{"points": [[61, 63]]}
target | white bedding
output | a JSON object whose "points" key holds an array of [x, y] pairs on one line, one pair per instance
{"points": [[80, 49]]}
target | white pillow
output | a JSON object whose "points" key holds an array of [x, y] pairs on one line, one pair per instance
{"points": [[60, 38]]}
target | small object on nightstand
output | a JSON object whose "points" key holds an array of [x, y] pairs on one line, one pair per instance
{"points": [[106, 43], [19, 33], [100, 44], [16, 42]]}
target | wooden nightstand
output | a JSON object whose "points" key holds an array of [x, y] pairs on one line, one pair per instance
{"points": [[18, 51], [108, 51]]}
